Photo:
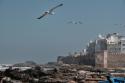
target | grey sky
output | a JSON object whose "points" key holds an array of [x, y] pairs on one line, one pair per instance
{"points": [[23, 37]]}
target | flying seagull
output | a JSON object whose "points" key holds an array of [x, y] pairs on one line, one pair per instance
{"points": [[75, 22], [49, 12]]}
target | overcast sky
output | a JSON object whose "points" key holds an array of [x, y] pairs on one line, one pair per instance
{"points": [[23, 37]]}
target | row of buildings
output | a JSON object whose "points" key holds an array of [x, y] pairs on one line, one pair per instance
{"points": [[104, 51], [114, 43]]}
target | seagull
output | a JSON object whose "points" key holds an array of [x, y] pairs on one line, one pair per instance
{"points": [[75, 22], [120, 25], [49, 12]]}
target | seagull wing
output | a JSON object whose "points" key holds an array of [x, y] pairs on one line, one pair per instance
{"points": [[55, 7], [42, 15]]}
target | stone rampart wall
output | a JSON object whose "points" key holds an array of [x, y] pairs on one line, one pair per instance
{"points": [[116, 60], [83, 59], [109, 60], [101, 59]]}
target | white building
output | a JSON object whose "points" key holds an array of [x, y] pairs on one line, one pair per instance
{"points": [[123, 44], [90, 48], [100, 44], [114, 43]]}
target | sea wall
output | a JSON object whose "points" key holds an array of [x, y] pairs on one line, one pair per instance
{"points": [[115, 60], [81, 59], [110, 60], [100, 59]]}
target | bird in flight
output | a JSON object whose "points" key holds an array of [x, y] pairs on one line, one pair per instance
{"points": [[49, 12], [120, 25], [75, 22]]}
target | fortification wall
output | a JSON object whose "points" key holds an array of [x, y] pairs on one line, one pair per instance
{"points": [[83, 59], [115, 60], [109, 60], [100, 59]]}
